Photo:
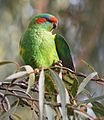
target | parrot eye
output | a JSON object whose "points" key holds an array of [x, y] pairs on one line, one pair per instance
{"points": [[54, 20], [41, 20]]}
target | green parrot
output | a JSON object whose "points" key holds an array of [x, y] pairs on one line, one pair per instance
{"points": [[39, 47]]}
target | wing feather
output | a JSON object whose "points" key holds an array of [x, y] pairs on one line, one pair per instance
{"points": [[64, 52]]}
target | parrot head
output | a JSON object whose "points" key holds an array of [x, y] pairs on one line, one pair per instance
{"points": [[44, 21]]}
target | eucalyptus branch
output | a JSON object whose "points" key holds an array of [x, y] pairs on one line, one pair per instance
{"points": [[79, 74]]}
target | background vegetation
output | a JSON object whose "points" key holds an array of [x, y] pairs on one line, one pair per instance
{"points": [[81, 22]]}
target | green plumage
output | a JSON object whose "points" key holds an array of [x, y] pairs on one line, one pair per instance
{"points": [[39, 48]]}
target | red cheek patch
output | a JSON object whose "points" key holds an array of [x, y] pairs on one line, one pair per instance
{"points": [[41, 20]]}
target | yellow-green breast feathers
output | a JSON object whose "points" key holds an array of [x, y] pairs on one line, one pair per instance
{"points": [[38, 48]]}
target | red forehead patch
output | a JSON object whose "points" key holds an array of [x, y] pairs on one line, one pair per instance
{"points": [[41, 20], [54, 19]]}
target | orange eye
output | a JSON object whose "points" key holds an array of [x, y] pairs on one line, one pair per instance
{"points": [[54, 19], [41, 20]]}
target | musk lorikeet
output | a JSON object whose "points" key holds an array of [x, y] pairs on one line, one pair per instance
{"points": [[40, 48]]}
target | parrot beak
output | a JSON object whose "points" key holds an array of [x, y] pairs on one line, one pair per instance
{"points": [[54, 26]]}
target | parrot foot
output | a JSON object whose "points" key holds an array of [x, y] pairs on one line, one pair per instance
{"points": [[58, 63]]}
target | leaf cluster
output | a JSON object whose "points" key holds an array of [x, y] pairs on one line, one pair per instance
{"points": [[52, 93]]}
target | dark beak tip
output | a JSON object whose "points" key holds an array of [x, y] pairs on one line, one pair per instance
{"points": [[54, 25]]}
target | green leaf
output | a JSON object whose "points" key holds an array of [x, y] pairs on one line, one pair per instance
{"points": [[33, 115], [41, 94], [98, 108], [74, 87], [61, 90], [50, 113], [86, 92], [93, 99], [85, 82], [17, 116], [17, 75], [31, 73]]}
